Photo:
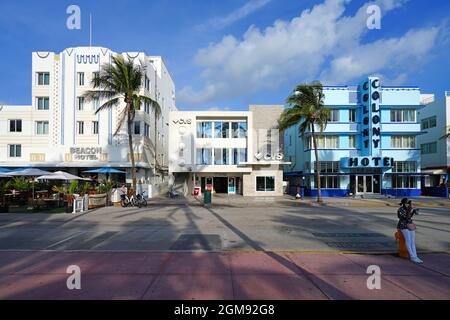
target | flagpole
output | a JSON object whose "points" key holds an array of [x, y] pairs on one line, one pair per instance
{"points": [[90, 30]]}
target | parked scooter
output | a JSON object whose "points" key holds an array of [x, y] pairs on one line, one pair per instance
{"points": [[172, 194]]}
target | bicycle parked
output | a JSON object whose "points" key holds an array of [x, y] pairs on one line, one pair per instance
{"points": [[133, 201]]}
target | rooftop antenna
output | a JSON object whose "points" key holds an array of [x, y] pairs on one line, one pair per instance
{"points": [[90, 30]]}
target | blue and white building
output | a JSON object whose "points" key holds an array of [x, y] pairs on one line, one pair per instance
{"points": [[369, 145]]}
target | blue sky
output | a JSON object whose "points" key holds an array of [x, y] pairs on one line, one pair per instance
{"points": [[228, 54]]}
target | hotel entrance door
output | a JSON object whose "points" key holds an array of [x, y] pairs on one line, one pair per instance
{"points": [[368, 184]]}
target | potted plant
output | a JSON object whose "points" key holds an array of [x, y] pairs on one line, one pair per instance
{"points": [[68, 193], [22, 188], [105, 187]]}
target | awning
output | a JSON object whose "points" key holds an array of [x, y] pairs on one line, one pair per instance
{"points": [[435, 171]]}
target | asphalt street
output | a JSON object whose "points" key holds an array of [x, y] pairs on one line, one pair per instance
{"points": [[193, 228]]}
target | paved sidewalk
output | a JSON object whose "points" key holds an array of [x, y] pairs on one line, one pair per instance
{"points": [[237, 201], [205, 276]]}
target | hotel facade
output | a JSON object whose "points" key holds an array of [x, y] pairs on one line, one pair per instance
{"points": [[369, 146], [61, 131], [228, 152], [435, 148]]}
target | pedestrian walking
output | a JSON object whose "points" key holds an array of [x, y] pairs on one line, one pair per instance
{"points": [[408, 228]]}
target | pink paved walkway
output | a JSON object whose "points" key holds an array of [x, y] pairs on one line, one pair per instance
{"points": [[205, 276]]}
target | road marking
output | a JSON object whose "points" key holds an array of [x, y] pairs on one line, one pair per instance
{"points": [[64, 240]]}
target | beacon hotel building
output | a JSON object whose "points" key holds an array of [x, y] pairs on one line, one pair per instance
{"points": [[369, 146], [229, 152], [60, 130]]}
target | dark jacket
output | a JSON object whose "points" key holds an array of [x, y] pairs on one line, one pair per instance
{"points": [[403, 217]]}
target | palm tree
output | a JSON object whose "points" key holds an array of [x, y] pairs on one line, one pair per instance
{"points": [[117, 82], [306, 108]]}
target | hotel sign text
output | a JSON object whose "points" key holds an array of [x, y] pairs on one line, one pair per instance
{"points": [[371, 124], [368, 162], [86, 154], [182, 121]]}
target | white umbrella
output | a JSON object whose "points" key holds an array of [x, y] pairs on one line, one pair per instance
{"points": [[32, 172], [61, 175]]}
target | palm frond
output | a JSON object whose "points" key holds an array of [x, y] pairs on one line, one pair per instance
{"points": [[108, 104], [99, 94]]}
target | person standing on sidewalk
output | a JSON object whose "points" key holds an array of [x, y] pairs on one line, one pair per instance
{"points": [[408, 228]]}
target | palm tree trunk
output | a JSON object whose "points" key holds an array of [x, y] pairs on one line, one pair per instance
{"points": [[131, 150], [317, 167], [156, 148]]}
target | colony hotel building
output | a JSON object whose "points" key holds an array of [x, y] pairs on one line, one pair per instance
{"points": [[227, 152], [369, 145], [60, 130]]}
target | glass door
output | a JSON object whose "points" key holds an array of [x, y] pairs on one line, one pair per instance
{"points": [[377, 184], [360, 184], [369, 184], [231, 186]]}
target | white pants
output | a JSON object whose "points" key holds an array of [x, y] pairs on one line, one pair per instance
{"points": [[410, 239]]}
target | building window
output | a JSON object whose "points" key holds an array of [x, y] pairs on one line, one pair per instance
{"points": [[239, 156], [137, 127], [265, 184], [204, 130], [95, 75], [41, 127], [428, 148], [15, 150], [239, 129], [333, 116], [94, 127], [147, 83], [328, 166], [147, 107], [404, 167], [404, 182], [80, 77], [95, 104], [429, 123], [15, 125], [204, 156], [221, 130], [352, 115], [352, 142], [43, 103], [328, 182], [221, 157], [324, 142], [403, 142], [80, 127], [403, 115], [147, 130], [80, 103], [43, 78]]}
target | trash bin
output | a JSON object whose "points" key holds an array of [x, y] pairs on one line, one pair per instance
{"points": [[207, 197], [402, 250]]}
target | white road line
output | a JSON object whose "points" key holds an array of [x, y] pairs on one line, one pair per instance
{"points": [[66, 239]]}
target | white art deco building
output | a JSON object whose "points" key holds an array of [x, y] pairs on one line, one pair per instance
{"points": [[60, 129]]}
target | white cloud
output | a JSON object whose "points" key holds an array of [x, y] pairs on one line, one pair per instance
{"points": [[244, 11], [322, 43]]}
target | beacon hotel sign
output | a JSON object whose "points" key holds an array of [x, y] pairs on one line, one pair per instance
{"points": [[369, 104], [86, 154]]}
